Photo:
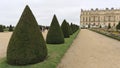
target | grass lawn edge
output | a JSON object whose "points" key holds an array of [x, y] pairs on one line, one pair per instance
{"points": [[55, 54]]}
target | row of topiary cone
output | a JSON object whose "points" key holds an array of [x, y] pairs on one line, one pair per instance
{"points": [[56, 34], [27, 45]]}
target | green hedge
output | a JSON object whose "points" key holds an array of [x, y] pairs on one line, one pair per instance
{"points": [[26, 45], [107, 34], [55, 54], [65, 29], [55, 34]]}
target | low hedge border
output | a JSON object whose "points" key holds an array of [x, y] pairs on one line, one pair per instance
{"points": [[107, 34]]}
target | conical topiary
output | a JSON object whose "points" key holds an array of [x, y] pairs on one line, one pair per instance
{"points": [[65, 29], [55, 34], [70, 30], [26, 45]]}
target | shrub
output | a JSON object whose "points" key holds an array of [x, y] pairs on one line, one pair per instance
{"points": [[70, 29], [74, 27], [1, 28], [71, 25], [26, 45], [10, 28], [65, 29], [118, 26], [55, 34], [100, 26], [109, 26]]}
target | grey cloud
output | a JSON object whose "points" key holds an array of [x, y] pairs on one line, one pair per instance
{"points": [[11, 10]]}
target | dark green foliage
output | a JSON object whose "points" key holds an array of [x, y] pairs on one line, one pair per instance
{"points": [[100, 26], [26, 45], [65, 29], [89, 25], [74, 27], [1, 28], [109, 26], [42, 28], [55, 34], [55, 55], [70, 29], [118, 26], [47, 27], [10, 28], [4, 27]]}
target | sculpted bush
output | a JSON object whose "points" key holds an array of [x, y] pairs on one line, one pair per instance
{"points": [[55, 34], [26, 45]]}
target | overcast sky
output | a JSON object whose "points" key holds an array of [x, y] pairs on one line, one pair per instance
{"points": [[43, 10]]}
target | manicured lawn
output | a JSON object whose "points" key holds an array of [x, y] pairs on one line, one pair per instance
{"points": [[55, 53]]}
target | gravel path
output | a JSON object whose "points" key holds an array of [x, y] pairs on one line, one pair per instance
{"points": [[4, 40], [92, 50]]}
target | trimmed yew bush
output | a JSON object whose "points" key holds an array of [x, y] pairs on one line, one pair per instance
{"points": [[65, 29], [26, 45], [74, 27], [55, 34], [70, 30]]}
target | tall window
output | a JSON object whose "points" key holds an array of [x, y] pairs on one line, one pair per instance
{"points": [[83, 19]]}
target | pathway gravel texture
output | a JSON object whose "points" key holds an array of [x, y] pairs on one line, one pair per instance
{"points": [[92, 50], [4, 40]]}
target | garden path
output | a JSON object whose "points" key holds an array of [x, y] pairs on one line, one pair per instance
{"points": [[92, 50]]}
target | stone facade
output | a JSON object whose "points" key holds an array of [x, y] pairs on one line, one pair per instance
{"points": [[99, 17]]}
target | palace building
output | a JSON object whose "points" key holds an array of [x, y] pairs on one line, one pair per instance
{"points": [[98, 17]]}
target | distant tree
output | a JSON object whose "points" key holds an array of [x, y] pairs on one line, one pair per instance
{"points": [[89, 25], [10, 28], [118, 26], [55, 34], [7, 26], [100, 26], [26, 45], [4, 26], [1, 28], [109, 26], [47, 27]]}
